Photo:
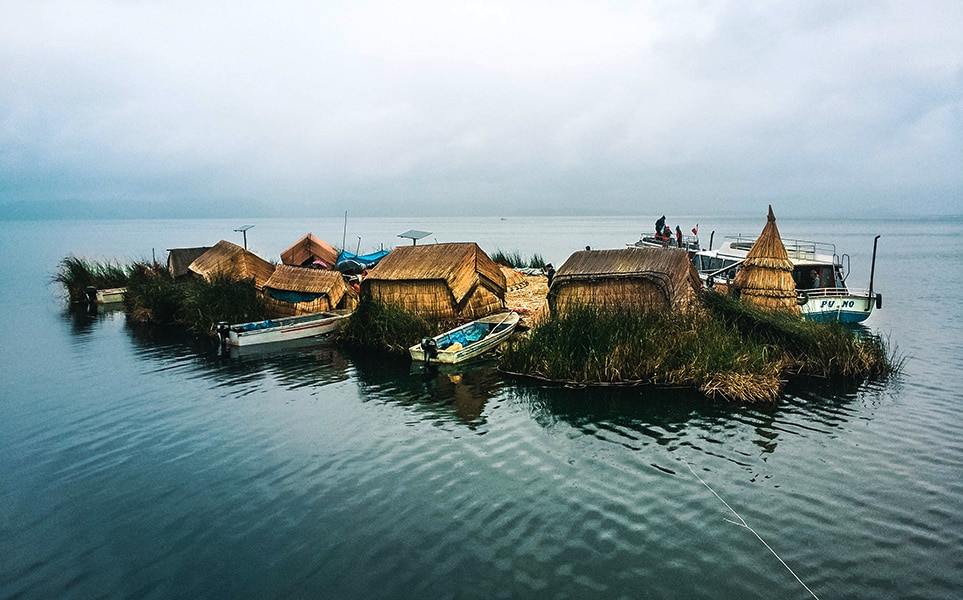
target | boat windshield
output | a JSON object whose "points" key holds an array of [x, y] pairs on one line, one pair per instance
{"points": [[711, 264]]}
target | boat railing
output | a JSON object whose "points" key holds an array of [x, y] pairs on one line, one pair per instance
{"points": [[798, 250], [835, 292], [689, 242]]}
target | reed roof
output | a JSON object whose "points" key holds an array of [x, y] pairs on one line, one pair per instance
{"points": [[308, 249], [513, 279], [288, 278], [670, 270], [629, 262], [461, 266], [302, 279], [180, 259], [765, 277], [227, 258]]}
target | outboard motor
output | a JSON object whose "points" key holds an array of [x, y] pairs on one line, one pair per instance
{"points": [[430, 347], [91, 293], [223, 330]]}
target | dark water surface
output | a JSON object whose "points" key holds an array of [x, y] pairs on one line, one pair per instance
{"points": [[139, 464]]}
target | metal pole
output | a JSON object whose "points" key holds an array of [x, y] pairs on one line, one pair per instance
{"points": [[872, 274]]}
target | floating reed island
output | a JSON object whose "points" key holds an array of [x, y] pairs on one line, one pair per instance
{"points": [[631, 316]]}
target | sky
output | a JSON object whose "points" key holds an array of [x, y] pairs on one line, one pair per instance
{"points": [[208, 109]]}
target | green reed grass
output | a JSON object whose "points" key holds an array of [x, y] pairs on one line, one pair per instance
{"points": [[76, 274], [198, 304], [377, 326], [221, 298], [516, 261], [726, 350], [153, 296], [822, 349], [588, 344]]}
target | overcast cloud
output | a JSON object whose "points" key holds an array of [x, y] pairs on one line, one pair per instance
{"points": [[528, 107]]}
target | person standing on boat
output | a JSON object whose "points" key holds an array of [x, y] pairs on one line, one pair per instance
{"points": [[815, 277], [659, 226], [678, 236]]}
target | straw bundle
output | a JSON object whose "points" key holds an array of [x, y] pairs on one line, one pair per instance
{"points": [[765, 278], [230, 259]]}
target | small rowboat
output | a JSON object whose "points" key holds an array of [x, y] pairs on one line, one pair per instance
{"points": [[105, 295], [286, 328], [467, 341]]}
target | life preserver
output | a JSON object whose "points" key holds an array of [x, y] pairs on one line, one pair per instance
{"points": [[802, 298]]}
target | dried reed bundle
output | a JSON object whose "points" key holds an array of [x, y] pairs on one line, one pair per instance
{"points": [[765, 277]]}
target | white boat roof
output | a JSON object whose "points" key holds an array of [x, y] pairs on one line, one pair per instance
{"points": [[799, 251]]}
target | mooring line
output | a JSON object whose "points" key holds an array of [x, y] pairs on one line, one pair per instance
{"points": [[742, 523]]}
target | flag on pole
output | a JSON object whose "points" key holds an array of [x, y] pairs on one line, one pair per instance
{"points": [[695, 230]]}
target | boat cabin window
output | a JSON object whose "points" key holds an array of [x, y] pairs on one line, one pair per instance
{"points": [[809, 277]]}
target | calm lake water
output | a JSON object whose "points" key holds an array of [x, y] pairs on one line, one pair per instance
{"points": [[138, 464]]}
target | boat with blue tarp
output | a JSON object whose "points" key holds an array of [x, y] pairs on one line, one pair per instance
{"points": [[466, 341]]}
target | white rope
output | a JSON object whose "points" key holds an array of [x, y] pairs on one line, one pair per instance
{"points": [[742, 523]]}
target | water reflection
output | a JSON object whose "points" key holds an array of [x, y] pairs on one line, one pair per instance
{"points": [[83, 316], [457, 393], [680, 419], [299, 363]]}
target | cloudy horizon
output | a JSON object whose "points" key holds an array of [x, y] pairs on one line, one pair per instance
{"points": [[185, 109]]}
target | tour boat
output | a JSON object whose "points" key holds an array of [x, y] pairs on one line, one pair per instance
{"points": [[819, 272]]}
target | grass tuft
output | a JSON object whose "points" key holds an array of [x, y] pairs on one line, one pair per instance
{"points": [[198, 304], [377, 326], [76, 274], [514, 260], [724, 349]]}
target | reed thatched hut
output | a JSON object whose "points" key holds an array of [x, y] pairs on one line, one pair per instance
{"points": [[231, 259], [292, 291], [442, 281], [635, 277], [765, 277], [308, 250], [180, 259]]}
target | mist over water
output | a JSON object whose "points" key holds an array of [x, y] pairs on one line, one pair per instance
{"points": [[144, 464]]}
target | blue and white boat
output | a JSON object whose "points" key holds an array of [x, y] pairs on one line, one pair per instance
{"points": [[819, 272], [467, 341]]}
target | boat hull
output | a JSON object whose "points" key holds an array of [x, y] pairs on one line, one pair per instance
{"points": [[288, 328], [844, 308], [840, 303], [503, 325], [111, 295]]}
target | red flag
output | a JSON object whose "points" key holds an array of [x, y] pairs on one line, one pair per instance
{"points": [[695, 230]]}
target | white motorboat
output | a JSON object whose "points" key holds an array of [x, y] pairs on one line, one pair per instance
{"points": [[283, 329], [819, 272]]}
